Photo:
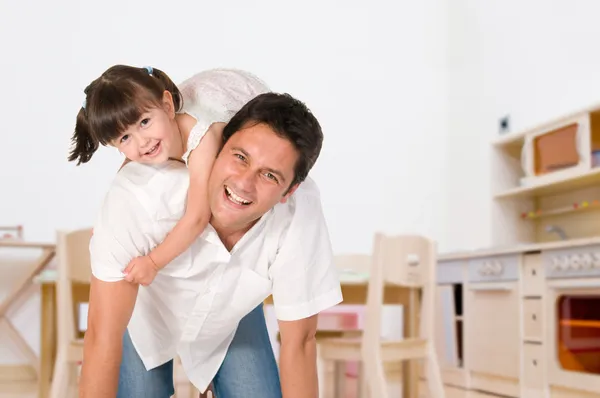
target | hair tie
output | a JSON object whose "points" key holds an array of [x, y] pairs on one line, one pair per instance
{"points": [[149, 69]]}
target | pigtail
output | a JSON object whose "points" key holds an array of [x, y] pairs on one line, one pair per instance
{"points": [[170, 87], [83, 143]]}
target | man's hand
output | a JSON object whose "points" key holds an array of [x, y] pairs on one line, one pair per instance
{"points": [[110, 308], [141, 270], [298, 358]]}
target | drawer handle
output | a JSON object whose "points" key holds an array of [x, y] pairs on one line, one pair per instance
{"points": [[489, 287], [534, 362], [581, 283], [533, 272], [533, 317]]}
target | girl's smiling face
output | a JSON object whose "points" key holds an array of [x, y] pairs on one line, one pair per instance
{"points": [[152, 139]]}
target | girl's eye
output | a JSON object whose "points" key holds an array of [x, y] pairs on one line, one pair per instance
{"points": [[144, 122], [124, 138]]}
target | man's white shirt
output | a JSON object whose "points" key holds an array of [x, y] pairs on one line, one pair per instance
{"points": [[193, 306]]}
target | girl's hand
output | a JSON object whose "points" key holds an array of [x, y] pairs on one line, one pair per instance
{"points": [[141, 270]]}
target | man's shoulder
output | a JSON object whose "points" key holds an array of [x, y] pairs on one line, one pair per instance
{"points": [[308, 188], [302, 207]]}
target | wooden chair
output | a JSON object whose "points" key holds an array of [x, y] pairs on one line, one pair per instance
{"points": [[73, 269], [406, 261], [11, 232]]}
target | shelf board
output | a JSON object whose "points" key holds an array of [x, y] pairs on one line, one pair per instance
{"points": [[517, 138], [558, 186], [583, 206], [511, 139]]}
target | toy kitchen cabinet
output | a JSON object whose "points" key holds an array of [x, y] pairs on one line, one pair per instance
{"points": [[522, 318]]}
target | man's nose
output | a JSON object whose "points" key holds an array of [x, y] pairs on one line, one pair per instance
{"points": [[247, 181]]}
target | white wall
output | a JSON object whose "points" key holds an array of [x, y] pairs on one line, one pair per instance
{"points": [[533, 60], [373, 73]]}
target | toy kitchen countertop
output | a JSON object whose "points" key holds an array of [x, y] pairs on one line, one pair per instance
{"points": [[519, 248]]}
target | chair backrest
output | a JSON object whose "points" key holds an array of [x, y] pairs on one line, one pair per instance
{"points": [[74, 268], [74, 255], [404, 260]]}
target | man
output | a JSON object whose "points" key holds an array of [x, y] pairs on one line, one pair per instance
{"points": [[267, 236]]}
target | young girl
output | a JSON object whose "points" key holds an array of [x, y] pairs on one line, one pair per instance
{"points": [[142, 113]]}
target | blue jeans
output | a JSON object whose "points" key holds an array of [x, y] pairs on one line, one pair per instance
{"points": [[248, 370]]}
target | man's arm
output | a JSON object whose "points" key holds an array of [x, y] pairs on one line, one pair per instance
{"points": [[305, 282], [110, 308], [298, 358]]}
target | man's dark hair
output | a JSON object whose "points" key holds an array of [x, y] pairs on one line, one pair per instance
{"points": [[290, 119]]}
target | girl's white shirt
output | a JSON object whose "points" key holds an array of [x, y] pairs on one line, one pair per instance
{"points": [[216, 95]]}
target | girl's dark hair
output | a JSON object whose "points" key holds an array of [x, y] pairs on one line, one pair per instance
{"points": [[115, 101]]}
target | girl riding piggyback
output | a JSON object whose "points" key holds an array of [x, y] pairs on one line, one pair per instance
{"points": [[149, 119]]}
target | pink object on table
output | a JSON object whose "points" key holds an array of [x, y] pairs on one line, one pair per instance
{"points": [[343, 318], [338, 321]]}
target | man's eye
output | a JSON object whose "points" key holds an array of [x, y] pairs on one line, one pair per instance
{"points": [[271, 176], [240, 157]]}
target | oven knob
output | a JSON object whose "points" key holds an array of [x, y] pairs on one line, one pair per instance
{"points": [[564, 263], [494, 268], [489, 268], [586, 261], [596, 260], [483, 269], [575, 262], [555, 263], [499, 268]]}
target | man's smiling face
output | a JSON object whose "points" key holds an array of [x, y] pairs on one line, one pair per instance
{"points": [[251, 174]]}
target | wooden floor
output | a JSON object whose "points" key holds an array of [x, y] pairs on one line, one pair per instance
{"points": [[18, 390], [29, 390]]}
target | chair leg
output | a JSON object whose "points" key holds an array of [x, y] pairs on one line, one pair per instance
{"points": [[434, 375], [327, 380], [73, 380], [340, 379], [363, 388], [60, 378]]}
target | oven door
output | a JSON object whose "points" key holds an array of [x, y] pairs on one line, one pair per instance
{"points": [[573, 314]]}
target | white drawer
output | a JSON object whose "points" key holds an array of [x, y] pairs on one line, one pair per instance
{"points": [[450, 272], [574, 262], [494, 268]]}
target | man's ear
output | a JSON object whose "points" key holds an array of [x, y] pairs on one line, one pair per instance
{"points": [[289, 193], [168, 104]]}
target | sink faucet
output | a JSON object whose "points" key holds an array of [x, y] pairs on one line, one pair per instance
{"points": [[557, 230]]}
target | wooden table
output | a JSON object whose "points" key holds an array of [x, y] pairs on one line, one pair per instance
{"points": [[19, 287], [354, 290]]}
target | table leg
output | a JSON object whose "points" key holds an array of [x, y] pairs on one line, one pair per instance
{"points": [[48, 338]]}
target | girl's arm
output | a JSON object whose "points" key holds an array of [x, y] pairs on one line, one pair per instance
{"points": [[197, 212]]}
